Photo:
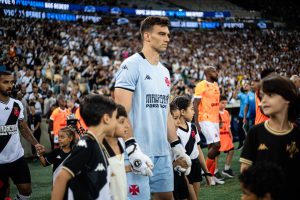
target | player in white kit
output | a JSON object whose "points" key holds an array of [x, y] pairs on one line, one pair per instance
{"points": [[12, 123]]}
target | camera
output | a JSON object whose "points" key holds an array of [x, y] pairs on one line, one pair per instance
{"points": [[73, 121]]}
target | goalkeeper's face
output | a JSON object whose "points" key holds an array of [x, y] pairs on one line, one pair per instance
{"points": [[122, 127], [158, 38]]}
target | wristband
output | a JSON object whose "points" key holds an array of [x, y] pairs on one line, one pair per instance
{"points": [[173, 144], [207, 174], [130, 141]]}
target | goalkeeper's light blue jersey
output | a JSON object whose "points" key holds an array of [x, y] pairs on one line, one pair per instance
{"points": [[150, 85]]}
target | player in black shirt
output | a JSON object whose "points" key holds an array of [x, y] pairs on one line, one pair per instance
{"points": [[277, 140], [85, 174]]}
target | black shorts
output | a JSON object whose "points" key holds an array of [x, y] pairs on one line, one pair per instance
{"points": [[181, 190], [18, 171], [195, 175]]}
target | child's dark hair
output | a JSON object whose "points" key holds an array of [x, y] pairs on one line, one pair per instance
{"points": [[94, 106], [266, 72], [173, 107], [182, 102], [121, 111], [223, 98], [70, 131], [275, 84], [263, 178]]}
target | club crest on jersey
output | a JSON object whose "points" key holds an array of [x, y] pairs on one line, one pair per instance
{"points": [[292, 149], [193, 133], [134, 190], [16, 111], [167, 81]]}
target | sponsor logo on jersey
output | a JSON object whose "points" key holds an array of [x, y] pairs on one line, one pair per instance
{"points": [[147, 77], [100, 168], [157, 101], [134, 190], [8, 129], [82, 143], [125, 67], [58, 157], [262, 147]]}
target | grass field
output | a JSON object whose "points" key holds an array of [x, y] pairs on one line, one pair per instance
{"points": [[42, 181]]}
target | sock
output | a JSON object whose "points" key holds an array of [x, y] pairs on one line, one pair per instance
{"points": [[209, 163], [21, 197], [227, 167], [212, 168]]}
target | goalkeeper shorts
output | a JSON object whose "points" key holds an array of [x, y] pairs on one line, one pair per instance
{"points": [[140, 187]]}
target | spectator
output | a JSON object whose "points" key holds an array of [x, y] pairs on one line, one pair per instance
{"points": [[58, 119], [36, 98], [242, 96], [48, 102], [34, 123]]}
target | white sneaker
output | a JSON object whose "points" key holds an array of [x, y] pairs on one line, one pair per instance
{"points": [[217, 181]]}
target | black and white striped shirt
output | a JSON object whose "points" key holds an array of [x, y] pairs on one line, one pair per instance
{"points": [[10, 146], [189, 138]]}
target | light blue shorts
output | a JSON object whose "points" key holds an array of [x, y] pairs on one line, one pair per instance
{"points": [[140, 187]]}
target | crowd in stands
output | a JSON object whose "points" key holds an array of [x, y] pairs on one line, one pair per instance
{"points": [[50, 58]]}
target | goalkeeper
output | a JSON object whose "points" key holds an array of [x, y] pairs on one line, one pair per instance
{"points": [[143, 88]]}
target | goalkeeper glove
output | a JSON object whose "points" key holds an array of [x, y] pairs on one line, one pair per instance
{"points": [[141, 164], [179, 152]]}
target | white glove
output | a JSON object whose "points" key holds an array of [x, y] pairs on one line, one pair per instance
{"points": [[141, 164], [180, 169], [179, 152], [188, 171]]}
